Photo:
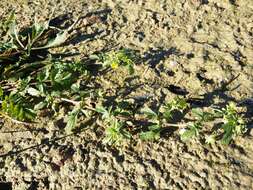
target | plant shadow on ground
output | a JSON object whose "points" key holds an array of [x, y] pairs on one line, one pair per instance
{"points": [[90, 18], [154, 56], [44, 142], [220, 92]]}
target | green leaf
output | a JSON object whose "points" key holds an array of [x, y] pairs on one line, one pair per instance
{"points": [[1, 93], [75, 87], [202, 116], [167, 114], [10, 20], [115, 133], [131, 69], [14, 107], [150, 135], [101, 109], [191, 132], [72, 120], [13, 32], [154, 127], [210, 139], [188, 134], [29, 114], [60, 38], [228, 134], [149, 113], [40, 105], [38, 30], [179, 104]]}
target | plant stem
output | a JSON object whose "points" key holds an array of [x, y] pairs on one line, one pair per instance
{"points": [[176, 125]]}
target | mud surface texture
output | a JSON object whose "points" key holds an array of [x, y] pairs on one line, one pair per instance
{"points": [[189, 48]]}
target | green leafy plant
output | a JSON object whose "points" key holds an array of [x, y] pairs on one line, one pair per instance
{"points": [[18, 45], [115, 132], [31, 86], [13, 107], [178, 104], [193, 130], [166, 113], [233, 125], [114, 59]]}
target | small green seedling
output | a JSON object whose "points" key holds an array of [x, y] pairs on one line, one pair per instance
{"points": [[234, 124], [115, 132], [178, 104], [193, 130], [158, 119], [115, 59]]}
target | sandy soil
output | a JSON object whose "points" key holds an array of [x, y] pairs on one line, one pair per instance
{"points": [[189, 48]]}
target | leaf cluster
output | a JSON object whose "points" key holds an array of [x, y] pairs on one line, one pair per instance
{"points": [[232, 125], [17, 45], [114, 59], [14, 106], [161, 117], [115, 131]]}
